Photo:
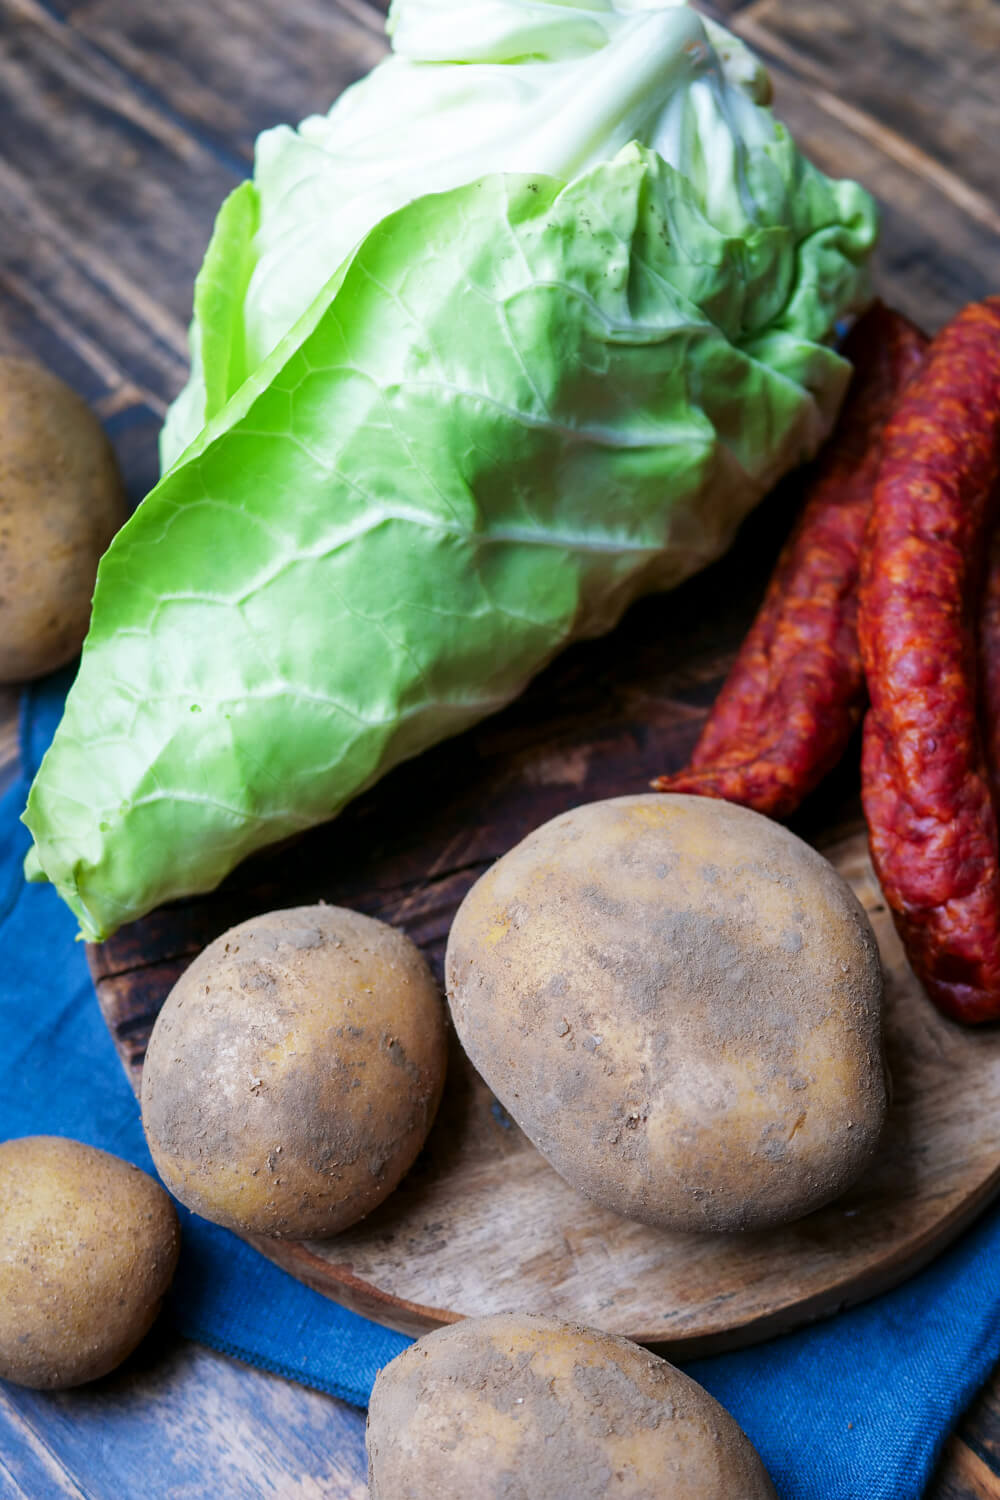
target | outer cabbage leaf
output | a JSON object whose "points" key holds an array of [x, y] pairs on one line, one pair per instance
{"points": [[515, 406], [218, 339]]}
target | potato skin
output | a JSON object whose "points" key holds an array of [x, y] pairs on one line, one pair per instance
{"points": [[88, 1247], [294, 1071], [61, 502], [679, 1002], [522, 1407]]}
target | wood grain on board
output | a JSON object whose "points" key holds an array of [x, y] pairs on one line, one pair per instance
{"points": [[122, 126]]}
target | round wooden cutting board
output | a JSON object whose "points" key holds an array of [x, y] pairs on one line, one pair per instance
{"points": [[482, 1223]]}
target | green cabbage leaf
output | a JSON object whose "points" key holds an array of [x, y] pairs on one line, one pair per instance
{"points": [[519, 331]]}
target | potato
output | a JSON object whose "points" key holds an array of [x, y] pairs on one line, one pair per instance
{"points": [[61, 502], [522, 1407], [88, 1247], [679, 1002], [294, 1071]]}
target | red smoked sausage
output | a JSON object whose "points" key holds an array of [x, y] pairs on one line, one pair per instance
{"points": [[989, 666], [925, 782], [796, 690]]}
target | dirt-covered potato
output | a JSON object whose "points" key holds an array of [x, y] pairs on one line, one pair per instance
{"points": [[61, 502], [88, 1247], [527, 1406], [294, 1071], [679, 1002]]}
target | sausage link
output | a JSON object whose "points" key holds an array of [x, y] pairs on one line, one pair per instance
{"points": [[989, 665], [925, 782], [795, 692]]}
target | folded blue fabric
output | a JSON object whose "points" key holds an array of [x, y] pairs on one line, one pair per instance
{"points": [[853, 1409]]}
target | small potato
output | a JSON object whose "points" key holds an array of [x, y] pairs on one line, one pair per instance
{"points": [[294, 1071], [523, 1406], [61, 502], [679, 1002], [88, 1247]]}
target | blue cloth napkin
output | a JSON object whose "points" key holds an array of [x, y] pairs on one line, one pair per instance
{"points": [[853, 1409]]}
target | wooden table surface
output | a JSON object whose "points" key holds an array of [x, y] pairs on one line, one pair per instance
{"points": [[122, 125]]}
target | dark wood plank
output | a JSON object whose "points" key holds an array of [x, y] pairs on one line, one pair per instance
{"points": [[8, 737], [970, 1463], [963, 1475], [724, 10], [926, 73], [178, 1420], [109, 201], [194, 61], [980, 1427]]}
